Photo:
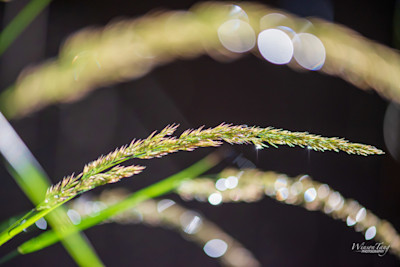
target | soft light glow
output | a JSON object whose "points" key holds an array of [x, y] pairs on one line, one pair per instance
{"points": [[137, 216], [370, 233], [231, 182], [164, 204], [237, 12], [74, 216], [323, 191], [361, 214], [289, 31], [259, 147], [282, 194], [334, 199], [215, 198], [280, 182], [269, 191], [335, 202], [310, 194], [309, 51], [215, 248], [191, 222], [97, 206], [220, 184], [275, 46], [237, 36], [88, 207], [350, 221], [41, 224], [271, 19], [296, 188], [304, 177]]}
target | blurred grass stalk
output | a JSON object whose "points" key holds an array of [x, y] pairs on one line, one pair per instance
{"points": [[20, 22], [168, 214], [129, 49], [252, 185], [160, 188], [34, 182]]}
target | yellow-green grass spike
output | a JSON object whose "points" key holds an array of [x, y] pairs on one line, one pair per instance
{"points": [[161, 144]]}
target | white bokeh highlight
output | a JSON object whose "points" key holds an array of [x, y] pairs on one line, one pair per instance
{"points": [[74, 216], [361, 214], [41, 224], [164, 204], [215, 198], [231, 182], [309, 51], [310, 194], [370, 233], [350, 221], [237, 36], [220, 184], [215, 248], [275, 46], [191, 222]]}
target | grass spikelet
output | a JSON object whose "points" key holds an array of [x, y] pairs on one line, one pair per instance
{"points": [[72, 186]]}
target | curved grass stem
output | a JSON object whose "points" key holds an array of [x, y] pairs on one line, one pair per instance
{"points": [[165, 186]]}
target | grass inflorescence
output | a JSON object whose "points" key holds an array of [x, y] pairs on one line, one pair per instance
{"points": [[162, 143]]}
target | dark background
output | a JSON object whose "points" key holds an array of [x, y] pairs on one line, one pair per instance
{"points": [[205, 92]]}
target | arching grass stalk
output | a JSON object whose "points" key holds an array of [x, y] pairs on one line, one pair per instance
{"points": [[158, 145], [160, 188]]}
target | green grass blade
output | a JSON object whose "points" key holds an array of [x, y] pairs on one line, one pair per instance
{"points": [[20, 22], [34, 182], [167, 185]]}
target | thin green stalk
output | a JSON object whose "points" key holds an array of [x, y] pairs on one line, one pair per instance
{"points": [[165, 186], [20, 22], [33, 181]]}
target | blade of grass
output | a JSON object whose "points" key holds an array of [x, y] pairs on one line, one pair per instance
{"points": [[34, 182], [163, 187], [20, 22]]}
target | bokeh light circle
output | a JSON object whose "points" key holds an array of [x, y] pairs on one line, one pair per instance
{"points": [[215, 248], [309, 51], [237, 36], [275, 46]]}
